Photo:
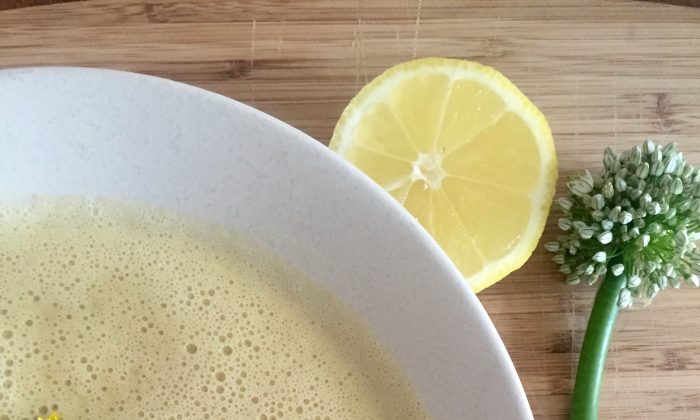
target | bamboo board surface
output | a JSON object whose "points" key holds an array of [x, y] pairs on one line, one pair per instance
{"points": [[603, 72]]}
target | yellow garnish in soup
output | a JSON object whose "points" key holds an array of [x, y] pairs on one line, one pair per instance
{"points": [[53, 416]]}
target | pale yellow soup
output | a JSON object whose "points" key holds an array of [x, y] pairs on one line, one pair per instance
{"points": [[112, 311]]}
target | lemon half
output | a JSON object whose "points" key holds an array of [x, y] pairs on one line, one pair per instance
{"points": [[464, 151]]}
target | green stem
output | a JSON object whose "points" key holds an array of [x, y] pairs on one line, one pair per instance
{"points": [[595, 346]]}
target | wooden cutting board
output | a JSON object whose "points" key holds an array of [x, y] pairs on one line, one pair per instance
{"points": [[605, 73]]}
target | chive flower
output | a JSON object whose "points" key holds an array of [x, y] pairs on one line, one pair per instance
{"points": [[634, 225]]}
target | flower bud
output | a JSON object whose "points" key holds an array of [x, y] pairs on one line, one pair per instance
{"points": [[652, 291], [620, 185], [634, 281], [654, 229], [644, 240], [670, 149], [552, 246], [565, 203], [586, 233], [598, 202], [625, 217], [677, 186], [615, 214], [618, 269], [681, 239], [636, 156], [648, 147], [643, 170], [564, 224], [572, 279], [605, 238], [578, 225], [608, 190], [687, 171], [624, 300], [609, 159], [598, 215]]}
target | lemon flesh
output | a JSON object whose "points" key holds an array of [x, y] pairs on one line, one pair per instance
{"points": [[464, 151]]}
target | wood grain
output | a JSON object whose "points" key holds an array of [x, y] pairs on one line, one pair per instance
{"points": [[605, 73], [16, 4]]}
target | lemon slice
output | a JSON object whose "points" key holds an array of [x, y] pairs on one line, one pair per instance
{"points": [[464, 151]]}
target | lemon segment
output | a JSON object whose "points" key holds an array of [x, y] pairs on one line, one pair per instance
{"points": [[464, 151]]}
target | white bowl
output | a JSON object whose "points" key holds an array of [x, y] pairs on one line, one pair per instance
{"points": [[139, 138]]}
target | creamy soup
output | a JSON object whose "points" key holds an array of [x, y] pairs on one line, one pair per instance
{"points": [[112, 311]]}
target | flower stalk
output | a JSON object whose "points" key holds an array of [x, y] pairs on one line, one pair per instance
{"points": [[635, 225], [594, 350]]}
